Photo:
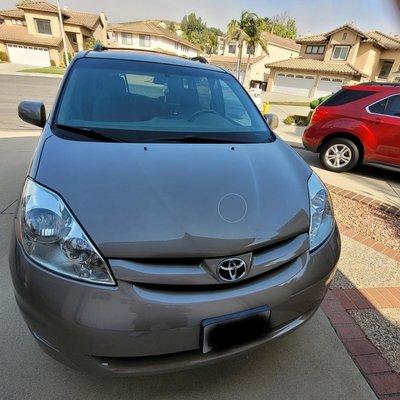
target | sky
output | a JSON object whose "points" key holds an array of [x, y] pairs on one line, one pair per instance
{"points": [[312, 16]]}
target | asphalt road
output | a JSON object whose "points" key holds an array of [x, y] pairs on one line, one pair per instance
{"points": [[311, 363], [14, 89]]}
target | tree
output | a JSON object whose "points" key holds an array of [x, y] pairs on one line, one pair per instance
{"points": [[192, 25], [254, 37], [248, 29], [282, 25], [171, 26], [196, 31]]}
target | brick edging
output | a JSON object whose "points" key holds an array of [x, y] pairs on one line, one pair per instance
{"points": [[381, 205], [378, 373], [367, 241]]}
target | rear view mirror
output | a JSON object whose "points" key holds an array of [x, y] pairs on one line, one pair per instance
{"points": [[32, 112], [272, 120]]}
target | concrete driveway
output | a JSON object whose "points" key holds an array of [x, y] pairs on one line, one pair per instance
{"points": [[309, 364]]}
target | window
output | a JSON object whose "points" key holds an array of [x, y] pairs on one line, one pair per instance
{"points": [[385, 69], [340, 53], [389, 106], [74, 38], [250, 49], [344, 37], [143, 101], [346, 96], [144, 40], [43, 26], [232, 49], [315, 49], [126, 38]]}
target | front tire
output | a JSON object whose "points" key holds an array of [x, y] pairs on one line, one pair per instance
{"points": [[339, 155]]}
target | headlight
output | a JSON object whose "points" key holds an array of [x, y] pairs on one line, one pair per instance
{"points": [[321, 212], [53, 238]]}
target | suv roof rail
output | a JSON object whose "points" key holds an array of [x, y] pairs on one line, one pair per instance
{"points": [[99, 47], [200, 59], [373, 83]]}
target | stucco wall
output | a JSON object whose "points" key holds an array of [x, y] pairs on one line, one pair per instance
{"points": [[30, 23], [352, 39], [156, 43]]}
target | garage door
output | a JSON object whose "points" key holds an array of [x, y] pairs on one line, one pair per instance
{"points": [[328, 86], [299, 85], [31, 55]]}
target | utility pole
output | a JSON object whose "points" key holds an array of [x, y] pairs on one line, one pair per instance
{"points": [[63, 34]]}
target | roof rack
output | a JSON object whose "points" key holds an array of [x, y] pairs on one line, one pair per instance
{"points": [[200, 59], [373, 83]]}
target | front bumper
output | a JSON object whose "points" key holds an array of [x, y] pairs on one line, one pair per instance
{"points": [[135, 329]]}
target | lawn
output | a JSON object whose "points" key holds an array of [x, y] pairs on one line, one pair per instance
{"points": [[45, 70]]}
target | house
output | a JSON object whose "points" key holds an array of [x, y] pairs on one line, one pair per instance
{"points": [[252, 71], [150, 35], [328, 61], [31, 33]]}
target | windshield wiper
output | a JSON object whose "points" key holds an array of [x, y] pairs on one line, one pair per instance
{"points": [[196, 139], [90, 133]]}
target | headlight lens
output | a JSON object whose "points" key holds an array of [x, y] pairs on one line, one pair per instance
{"points": [[321, 212], [53, 238]]}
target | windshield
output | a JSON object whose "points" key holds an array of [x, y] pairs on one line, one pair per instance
{"points": [[142, 101]]}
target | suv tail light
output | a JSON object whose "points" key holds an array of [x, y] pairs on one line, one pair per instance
{"points": [[318, 114]]}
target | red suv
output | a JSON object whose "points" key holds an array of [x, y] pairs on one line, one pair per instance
{"points": [[358, 124]]}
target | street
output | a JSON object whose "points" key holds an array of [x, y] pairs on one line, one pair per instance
{"points": [[311, 363]]}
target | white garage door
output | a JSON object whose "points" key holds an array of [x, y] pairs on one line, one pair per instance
{"points": [[31, 55], [299, 85], [327, 86]]}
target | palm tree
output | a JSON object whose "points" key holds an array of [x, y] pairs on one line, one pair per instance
{"points": [[237, 32], [254, 31]]}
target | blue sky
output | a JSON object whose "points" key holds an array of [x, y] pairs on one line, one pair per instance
{"points": [[313, 16]]}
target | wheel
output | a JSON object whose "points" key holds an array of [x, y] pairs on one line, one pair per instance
{"points": [[339, 155]]}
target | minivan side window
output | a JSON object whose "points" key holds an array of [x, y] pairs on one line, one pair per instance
{"points": [[388, 106], [346, 96]]}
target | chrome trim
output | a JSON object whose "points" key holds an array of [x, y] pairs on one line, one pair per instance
{"points": [[378, 101]]}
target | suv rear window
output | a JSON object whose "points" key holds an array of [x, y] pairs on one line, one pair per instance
{"points": [[346, 96], [142, 101]]}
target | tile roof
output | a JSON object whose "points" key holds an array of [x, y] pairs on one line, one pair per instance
{"points": [[19, 34], [38, 6], [379, 38], [150, 28], [80, 18], [71, 17], [14, 13], [218, 60], [388, 42], [311, 65], [280, 41]]}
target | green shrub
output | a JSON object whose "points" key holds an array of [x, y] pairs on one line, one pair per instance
{"points": [[289, 120], [315, 103], [3, 56]]}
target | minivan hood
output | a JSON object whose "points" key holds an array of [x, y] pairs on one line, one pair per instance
{"points": [[179, 200]]}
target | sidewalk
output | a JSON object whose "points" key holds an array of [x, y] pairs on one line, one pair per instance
{"points": [[12, 69], [369, 181], [363, 306]]}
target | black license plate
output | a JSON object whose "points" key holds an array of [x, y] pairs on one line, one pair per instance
{"points": [[221, 333]]}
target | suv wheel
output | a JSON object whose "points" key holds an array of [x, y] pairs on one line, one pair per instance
{"points": [[339, 155]]}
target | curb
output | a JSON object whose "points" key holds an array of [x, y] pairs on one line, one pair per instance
{"points": [[381, 205], [377, 372], [37, 74]]}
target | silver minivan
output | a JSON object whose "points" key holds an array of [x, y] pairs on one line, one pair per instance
{"points": [[162, 224]]}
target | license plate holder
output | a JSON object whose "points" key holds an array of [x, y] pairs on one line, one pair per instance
{"points": [[226, 331]]}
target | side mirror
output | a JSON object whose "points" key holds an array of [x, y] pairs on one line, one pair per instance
{"points": [[272, 120], [32, 112]]}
